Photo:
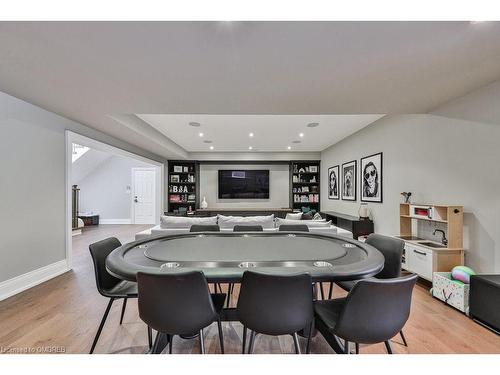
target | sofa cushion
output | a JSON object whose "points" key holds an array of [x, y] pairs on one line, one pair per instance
{"points": [[294, 216], [186, 222], [307, 215], [309, 223], [317, 216], [231, 221]]}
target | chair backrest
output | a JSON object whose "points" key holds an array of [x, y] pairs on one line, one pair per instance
{"points": [[376, 310], [294, 228], [204, 228], [175, 303], [392, 250], [99, 252], [247, 228], [275, 305]]}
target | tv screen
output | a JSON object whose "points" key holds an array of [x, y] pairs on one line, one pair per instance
{"points": [[247, 184]]}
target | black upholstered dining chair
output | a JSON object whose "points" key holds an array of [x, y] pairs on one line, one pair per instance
{"points": [[247, 228], [293, 228], [108, 285], [275, 305], [374, 311], [179, 304], [392, 249], [204, 228]]}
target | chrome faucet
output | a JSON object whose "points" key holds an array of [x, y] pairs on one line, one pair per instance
{"points": [[444, 241]]}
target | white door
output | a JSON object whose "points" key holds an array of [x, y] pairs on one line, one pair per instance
{"points": [[143, 195]]}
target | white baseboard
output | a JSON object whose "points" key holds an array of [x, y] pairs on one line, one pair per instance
{"points": [[115, 221], [28, 280]]}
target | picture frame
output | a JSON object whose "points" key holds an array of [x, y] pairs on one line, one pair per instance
{"points": [[177, 168], [313, 169], [174, 178], [186, 169], [349, 188], [371, 178], [333, 182]]}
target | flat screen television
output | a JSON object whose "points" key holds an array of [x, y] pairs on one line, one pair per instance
{"points": [[243, 184]]}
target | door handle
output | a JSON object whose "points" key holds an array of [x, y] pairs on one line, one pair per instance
{"points": [[135, 200], [419, 252]]}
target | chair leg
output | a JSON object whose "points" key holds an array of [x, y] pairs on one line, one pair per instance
{"points": [[202, 342], [252, 340], [244, 340], [124, 306], [346, 347], [322, 291], [357, 348], [221, 337], [150, 337], [230, 288], [308, 345], [403, 337], [296, 343], [330, 293], [170, 343], [101, 325], [154, 349], [388, 347]]}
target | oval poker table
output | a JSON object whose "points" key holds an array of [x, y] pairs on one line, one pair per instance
{"points": [[224, 257]]}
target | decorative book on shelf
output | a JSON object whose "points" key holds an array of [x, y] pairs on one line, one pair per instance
{"points": [[305, 185]]}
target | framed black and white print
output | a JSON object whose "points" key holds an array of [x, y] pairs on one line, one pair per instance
{"points": [[349, 181], [371, 178], [334, 182]]}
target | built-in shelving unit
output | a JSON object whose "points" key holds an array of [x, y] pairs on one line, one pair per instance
{"points": [[183, 188], [305, 185]]}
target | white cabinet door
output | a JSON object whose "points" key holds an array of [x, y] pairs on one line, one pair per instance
{"points": [[419, 260]]}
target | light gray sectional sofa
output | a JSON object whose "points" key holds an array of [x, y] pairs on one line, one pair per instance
{"points": [[182, 224]]}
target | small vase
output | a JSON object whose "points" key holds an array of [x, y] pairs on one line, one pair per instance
{"points": [[204, 203]]}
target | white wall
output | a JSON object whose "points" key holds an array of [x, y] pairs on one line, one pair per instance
{"points": [[32, 208], [104, 190], [278, 186], [86, 164], [440, 160]]}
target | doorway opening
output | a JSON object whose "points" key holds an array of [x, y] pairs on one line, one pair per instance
{"points": [[108, 186]]}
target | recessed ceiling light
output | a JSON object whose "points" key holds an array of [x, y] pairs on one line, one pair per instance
{"points": [[207, 141], [195, 124], [313, 125], [250, 147], [211, 147], [200, 134], [301, 135], [289, 147], [250, 135], [297, 141]]}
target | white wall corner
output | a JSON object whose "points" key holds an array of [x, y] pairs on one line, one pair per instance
{"points": [[28, 280]]}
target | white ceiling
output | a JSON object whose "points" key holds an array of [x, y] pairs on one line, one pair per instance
{"points": [[95, 72], [271, 133]]}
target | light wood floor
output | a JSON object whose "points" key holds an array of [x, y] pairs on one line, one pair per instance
{"points": [[66, 311]]}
